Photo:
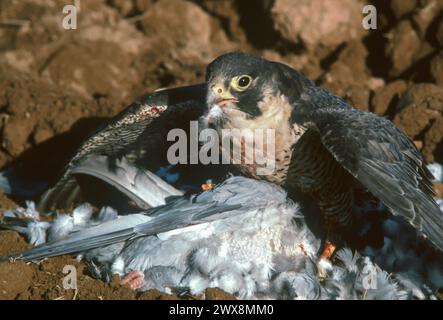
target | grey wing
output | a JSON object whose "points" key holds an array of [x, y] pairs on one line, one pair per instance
{"points": [[141, 186], [134, 133], [127, 129], [235, 196], [126, 228], [378, 155], [107, 233]]}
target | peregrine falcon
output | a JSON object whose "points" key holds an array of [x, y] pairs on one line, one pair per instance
{"points": [[323, 146]]}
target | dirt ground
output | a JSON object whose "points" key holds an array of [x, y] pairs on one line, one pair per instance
{"points": [[57, 85]]}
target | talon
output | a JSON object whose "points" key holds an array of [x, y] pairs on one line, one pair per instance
{"points": [[324, 263], [328, 250], [134, 279], [208, 185]]}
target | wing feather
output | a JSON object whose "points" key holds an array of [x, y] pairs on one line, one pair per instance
{"points": [[234, 197], [133, 133], [378, 155]]}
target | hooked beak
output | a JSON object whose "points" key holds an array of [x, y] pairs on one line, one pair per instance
{"points": [[219, 95]]}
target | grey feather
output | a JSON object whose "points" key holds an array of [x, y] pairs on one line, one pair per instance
{"points": [[226, 201], [377, 154], [136, 132], [142, 186]]}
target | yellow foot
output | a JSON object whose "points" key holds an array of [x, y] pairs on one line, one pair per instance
{"points": [[328, 250], [324, 263], [208, 185]]}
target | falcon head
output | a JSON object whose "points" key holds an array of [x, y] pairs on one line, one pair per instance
{"points": [[242, 86]]}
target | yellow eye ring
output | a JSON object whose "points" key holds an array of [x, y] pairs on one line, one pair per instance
{"points": [[241, 83]]}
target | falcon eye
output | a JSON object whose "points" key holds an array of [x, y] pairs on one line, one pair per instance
{"points": [[241, 83]]}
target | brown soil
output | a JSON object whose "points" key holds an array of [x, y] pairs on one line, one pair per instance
{"points": [[57, 85], [20, 280]]}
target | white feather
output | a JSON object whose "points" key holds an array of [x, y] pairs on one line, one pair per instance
{"points": [[82, 214]]}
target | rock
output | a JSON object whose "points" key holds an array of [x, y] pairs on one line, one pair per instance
{"points": [[402, 7], [16, 135], [439, 34], [421, 114], [418, 144], [308, 64], [426, 95], [352, 59], [339, 77], [437, 69], [224, 9], [228, 11], [143, 5], [129, 8], [348, 76], [115, 282], [56, 265], [375, 83], [358, 96], [414, 119], [94, 69], [11, 242], [125, 7], [354, 55], [14, 279], [4, 159], [433, 141], [402, 47], [438, 187], [100, 59], [42, 133], [342, 81], [35, 112], [425, 16], [161, 19], [387, 96], [426, 50], [6, 203], [154, 294], [21, 60], [318, 22], [218, 294]]}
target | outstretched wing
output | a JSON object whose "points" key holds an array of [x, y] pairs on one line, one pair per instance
{"points": [[136, 132], [377, 154]]}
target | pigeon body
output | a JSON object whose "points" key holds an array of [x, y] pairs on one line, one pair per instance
{"points": [[245, 237]]}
